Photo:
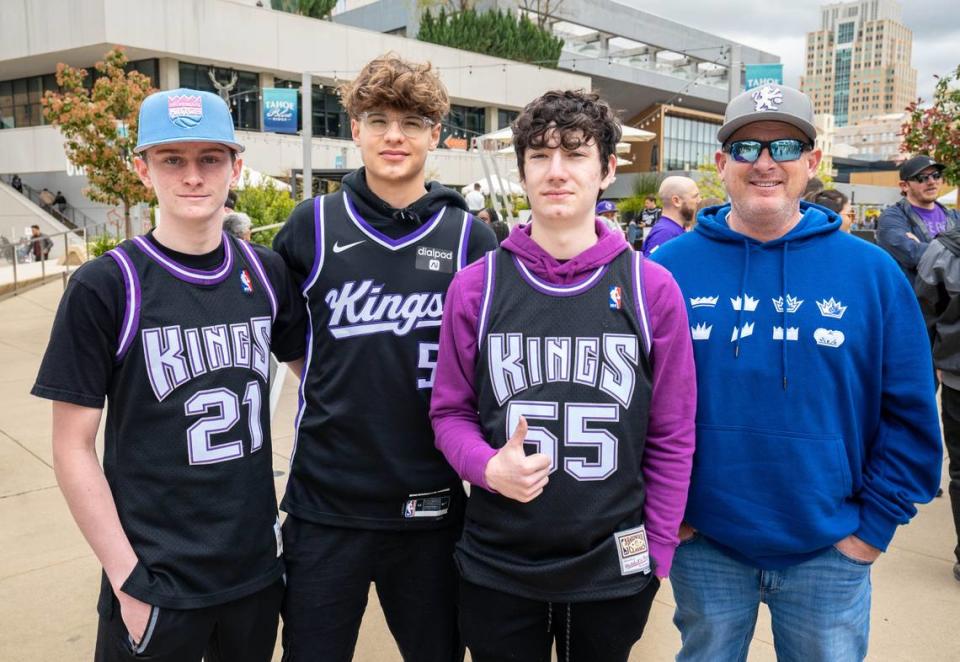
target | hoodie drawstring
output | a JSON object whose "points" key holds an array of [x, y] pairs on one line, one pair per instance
{"points": [[738, 329], [783, 348]]}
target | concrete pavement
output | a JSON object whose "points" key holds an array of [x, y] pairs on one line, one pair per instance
{"points": [[49, 578]]}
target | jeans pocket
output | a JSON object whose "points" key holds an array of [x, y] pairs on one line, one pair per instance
{"points": [[851, 560], [690, 540]]}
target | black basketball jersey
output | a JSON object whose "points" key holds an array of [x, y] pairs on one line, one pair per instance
{"points": [[572, 360], [364, 454], [187, 451]]}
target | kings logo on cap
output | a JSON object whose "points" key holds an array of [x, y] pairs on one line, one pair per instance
{"points": [[767, 97], [185, 110]]}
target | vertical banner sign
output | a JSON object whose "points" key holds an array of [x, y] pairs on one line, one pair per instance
{"points": [[280, 109], [763, 74]]}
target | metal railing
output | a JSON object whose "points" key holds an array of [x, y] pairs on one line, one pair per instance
{"points": [[20, 270], [67, 214]]}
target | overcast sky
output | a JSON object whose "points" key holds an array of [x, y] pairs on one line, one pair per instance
{"points": [[781, 28]]}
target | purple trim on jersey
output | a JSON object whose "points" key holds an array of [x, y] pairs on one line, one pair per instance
{"points": [[384, 240], [464, 240], [131, 286], [559, 290], [186, 274], [487, 296], [317, 245], [640, 301], [262, 275]]}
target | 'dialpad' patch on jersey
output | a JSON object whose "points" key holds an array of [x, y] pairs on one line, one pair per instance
{"points": [[434, 259], [185, 110], [632, 550]]}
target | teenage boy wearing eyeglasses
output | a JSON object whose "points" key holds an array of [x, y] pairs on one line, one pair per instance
{"points": [[816, 425], [906, 228], [370, 499]]}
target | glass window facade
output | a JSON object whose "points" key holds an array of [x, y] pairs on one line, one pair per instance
{"points": [[244, 96], [505, 118], [841, 87], [330, 120], [21, 99], [464, 122], [687, 142], [845, 33]]}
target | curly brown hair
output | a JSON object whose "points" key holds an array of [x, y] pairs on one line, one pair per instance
{"points": [[575, 117], [392, 82]]}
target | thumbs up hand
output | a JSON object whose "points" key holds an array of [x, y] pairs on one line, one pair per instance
{"points": [[513, 473]]}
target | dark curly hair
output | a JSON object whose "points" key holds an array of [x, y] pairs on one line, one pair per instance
{"points": [[574, 117]]}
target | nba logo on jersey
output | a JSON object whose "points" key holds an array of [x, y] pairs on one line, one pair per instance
{"points": [[245, 283], [410, 508], [615, 297]]}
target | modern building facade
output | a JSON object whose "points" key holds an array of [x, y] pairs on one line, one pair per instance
{"points": [[858, 62], [237, 49]]}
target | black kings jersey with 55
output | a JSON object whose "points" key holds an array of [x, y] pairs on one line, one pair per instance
{"points": [[364, 454], [187, 452], [572, 360]]}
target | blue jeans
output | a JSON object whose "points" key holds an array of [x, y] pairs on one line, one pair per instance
{"points": [[820, 609]]}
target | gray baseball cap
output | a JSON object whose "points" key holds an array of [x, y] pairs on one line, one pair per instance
{"points": [[776, 103]]}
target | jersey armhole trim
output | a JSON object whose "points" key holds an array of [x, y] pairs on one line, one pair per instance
{"points": [[318, 209], [640, 300], [487, 296], [261, 274], [132, 298], [464, 240]]}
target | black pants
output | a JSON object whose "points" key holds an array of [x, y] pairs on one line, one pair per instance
{"points": [[244, 630], [499, 627], [950, 405], [329, 571]]}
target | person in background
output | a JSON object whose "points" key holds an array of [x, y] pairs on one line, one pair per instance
{"points": [[606, 210], [651, 212], [47, 199], [238, 224], [475, 199], [41, 244], [680, 196], [634, 234], [60, 202], [17, 183], [490, 216], [906, 228], [837, 201]]}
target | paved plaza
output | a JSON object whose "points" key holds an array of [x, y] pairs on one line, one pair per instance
{"points": [[49, 578]]}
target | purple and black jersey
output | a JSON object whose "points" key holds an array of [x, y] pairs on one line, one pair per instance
{"points": [[187, 450], [574, 361], [364, 454]]}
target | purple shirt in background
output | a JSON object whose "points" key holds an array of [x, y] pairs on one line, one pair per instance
{"points": [[671, 431], [936, 218], [663, 231]]}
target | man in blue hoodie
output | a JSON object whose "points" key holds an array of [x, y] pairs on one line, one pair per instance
{"points": [[816, 426]]}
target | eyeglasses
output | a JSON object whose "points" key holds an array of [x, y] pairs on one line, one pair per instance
{"points": [[784, 149], [936, 176], [412, 126]]}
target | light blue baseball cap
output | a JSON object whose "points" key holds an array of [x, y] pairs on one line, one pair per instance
{"points": [[182, 115]]}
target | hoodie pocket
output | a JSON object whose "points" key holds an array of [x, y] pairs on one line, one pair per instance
{"points": [[768, 492]]}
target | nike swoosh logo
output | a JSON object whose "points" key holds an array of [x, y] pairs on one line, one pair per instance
{"points": [[337, 248]]}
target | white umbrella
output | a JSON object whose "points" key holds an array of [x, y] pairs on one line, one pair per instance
{"points": [[251, 177], [499, 183], [948, 199], [632, 134]]}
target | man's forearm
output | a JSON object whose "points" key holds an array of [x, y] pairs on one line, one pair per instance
{"points": [[91, 503]]}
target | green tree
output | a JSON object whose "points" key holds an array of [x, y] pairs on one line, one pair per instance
{"points": [[646, 183], [935, 131], [311, 8], [266, 204], [99, 122], [709, 182], [497, 33]]}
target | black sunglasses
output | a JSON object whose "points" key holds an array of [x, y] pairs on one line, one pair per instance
{"points": [[936, 176], [783, 149]]}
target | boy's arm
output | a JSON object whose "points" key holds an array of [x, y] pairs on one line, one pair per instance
{"points": [[91, 503]]}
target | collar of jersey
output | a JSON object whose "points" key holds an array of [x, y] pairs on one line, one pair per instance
{"points": [[194, 276], [559, 290], [384, 240]]}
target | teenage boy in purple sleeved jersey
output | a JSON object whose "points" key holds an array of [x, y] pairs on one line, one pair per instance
{"points": [[565, 394]]}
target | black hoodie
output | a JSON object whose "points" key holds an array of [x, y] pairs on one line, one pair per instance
{"points": [[389, 220]]}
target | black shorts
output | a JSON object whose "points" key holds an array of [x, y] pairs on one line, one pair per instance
{"points": [[244, 630], [329, 571]]}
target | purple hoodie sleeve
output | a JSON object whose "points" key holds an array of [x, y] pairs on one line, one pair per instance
{"points": [[453, 405], [671, 433]]}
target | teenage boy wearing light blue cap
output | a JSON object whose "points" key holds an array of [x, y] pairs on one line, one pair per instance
{"points": [[174, 329]]}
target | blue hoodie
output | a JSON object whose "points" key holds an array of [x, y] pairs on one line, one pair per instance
{"points": [[816, 417]]}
